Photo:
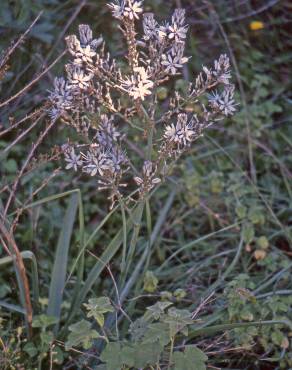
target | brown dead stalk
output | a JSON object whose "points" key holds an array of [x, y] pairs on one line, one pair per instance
{"points": [[9, 240]]}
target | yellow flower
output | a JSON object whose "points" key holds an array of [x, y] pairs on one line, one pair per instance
{"points": [[256, 25]]}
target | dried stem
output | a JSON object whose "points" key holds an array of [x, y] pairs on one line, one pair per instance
{"points": [[22, 273]]}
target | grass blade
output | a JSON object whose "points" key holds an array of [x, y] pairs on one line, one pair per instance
{"points": [[12, 307], [223, 327], [105, 258], [34, 272], [61, 259]]}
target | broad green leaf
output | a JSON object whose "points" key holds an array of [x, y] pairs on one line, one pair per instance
{"points": [[46, 339], [113, 356], [146, 354], [96, 307], [116, 355], [158, 309], [178, 320], [191, 359], [157, 332], [44, 321], [81, 335], [30, 349], [138, 328]]}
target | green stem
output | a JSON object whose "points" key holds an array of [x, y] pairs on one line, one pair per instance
{"points": [[219, 328], [137, 222], [150, 131], [123, 265], [170, 353], [229, 269]]}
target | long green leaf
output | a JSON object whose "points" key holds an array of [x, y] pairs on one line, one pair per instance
{"points": [[61, 259], [105, 258], [12, 307], [223, 327], [28, 255]]}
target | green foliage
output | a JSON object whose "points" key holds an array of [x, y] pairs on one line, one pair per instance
{"points": [[150, 282], [217, 198], [97, 307], [44, 321], [81, 334], [137, 356], [151, 335], [191, 358], [244, 306]]}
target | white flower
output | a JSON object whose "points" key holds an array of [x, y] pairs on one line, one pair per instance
{"points": [[118, 9], [139, 85], [54, 113], [170, 63], [174, 59], [150, 26], [214, 97], [133, 9], [73, 160], [107, 133], [226, 103], [96, 162], [84, 55], [182, 133], [117, 159], [222, 69], [177, 33], [126, 8], [149, 180], [86, 38], [81, 54], [62, 96], [178, 17], [162, 31], [78, 78]]}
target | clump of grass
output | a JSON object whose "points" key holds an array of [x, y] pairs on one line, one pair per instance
{"points": [[222, 231]]}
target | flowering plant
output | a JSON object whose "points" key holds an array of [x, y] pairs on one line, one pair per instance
{"points": [[102, 101]]}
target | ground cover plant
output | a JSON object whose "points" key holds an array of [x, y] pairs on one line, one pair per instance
{"points": [[145, 211]]}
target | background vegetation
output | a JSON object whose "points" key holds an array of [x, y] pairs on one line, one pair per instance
{"points": [[218, 234]]}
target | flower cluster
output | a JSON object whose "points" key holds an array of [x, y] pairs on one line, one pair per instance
{"points": [[166, 44], [103, 156], [109, 105], [149, 179], [138, 85], [130, 9]]}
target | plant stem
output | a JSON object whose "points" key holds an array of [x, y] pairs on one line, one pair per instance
{"points": [[217, 328], [170, 353], [21, 271]]}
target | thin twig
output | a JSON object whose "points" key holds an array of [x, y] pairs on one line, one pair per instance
{"points": [[22, 135], [18, 42], [29, 157], [28, 86], [15, 125], [241, 89], [30, 198], [67, 25]]}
